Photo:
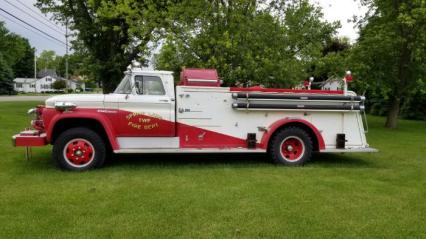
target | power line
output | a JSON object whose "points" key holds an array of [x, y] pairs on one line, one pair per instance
{"points": [[26, 23], [39, 14], [29, 29], [34, 17]]}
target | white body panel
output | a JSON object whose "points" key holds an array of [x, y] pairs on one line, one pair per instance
{"points": [[92, 101], [148, 142], [210, 108]]}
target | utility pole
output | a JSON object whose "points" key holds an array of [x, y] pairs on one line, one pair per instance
{"points": [[35, 70], [66, 52]]}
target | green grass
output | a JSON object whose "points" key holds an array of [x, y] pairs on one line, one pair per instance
{"points": [[380, 195]]}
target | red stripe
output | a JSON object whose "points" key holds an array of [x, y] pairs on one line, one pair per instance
{"points": [[116, 124], [278, 90], [193, 137]]}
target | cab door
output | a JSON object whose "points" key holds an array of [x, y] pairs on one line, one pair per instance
{"points": [[148, 111]]}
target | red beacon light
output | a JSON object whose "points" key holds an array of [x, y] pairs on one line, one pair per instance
{"points": [[348, 76], [305, 83]]}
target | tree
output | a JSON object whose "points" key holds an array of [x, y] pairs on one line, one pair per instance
{"points": [[245, 41], [48, 60], [6, 77], [15, 59], [113, 33], [24, 67], [17, 52], [390, 54], [59, 84], [333, 62], [76, 64]]}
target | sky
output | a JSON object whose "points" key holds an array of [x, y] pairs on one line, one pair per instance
{"points": [[22, 9], [334, 10], [342, 10]]}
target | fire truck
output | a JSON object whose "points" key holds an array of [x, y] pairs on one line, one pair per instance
{"points": [[147, 113]]}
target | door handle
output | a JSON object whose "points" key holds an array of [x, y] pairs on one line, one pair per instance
{"points": [[164, 100]]}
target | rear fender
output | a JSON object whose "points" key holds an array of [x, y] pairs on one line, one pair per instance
{"points": [[287, 121]]}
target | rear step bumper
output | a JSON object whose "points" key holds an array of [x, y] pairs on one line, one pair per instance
{"points": [[351, 150], [29, 138]]}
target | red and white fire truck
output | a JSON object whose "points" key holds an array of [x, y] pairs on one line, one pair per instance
{"points": [[147, 113]]}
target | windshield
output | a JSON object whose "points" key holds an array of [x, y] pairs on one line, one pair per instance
{"points": [[124, 87]]}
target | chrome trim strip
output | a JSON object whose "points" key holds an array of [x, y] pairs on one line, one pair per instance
{"points": [[189, 150], [351, 150]]}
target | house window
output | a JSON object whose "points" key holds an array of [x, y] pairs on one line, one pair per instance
{"points": [[48, 79], [32, 85], [18, 85]]}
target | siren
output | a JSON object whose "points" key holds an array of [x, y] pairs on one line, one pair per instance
{"points": [[347, 79], [136, 64], [311, 79]]}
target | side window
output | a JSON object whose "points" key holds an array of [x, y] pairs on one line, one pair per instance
{"points": [[149, 85], [124, 86], [139, 84]]}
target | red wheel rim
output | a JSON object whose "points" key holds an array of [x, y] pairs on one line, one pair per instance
{"points": [[292, 148], [79, 152]]}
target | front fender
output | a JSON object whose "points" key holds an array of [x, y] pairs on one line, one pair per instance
{"points": [[53, 116]]}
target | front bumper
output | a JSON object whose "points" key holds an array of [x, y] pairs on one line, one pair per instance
{"points": [[29, 138]]}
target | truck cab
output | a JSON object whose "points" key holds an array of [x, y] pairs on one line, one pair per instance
{"points": [[147, 93], [147, 113]]}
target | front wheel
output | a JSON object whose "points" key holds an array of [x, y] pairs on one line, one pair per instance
{"points": [[291, 146], [79, 149]]}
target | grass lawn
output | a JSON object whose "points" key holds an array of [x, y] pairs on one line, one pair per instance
{"points": [[379, 195]]}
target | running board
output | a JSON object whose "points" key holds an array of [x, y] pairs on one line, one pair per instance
{"points": [[351, 150], [188, 150]]}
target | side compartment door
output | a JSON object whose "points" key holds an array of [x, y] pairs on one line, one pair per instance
{"points": [[149, 110]]}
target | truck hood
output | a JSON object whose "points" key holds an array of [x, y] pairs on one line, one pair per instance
{"points": [[82, 100]]}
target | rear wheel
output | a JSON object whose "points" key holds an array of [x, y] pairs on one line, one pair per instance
{"points": [[291, 146], [79, 149]]}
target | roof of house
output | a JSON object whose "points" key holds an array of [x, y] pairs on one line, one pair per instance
{"points": [[24, 80], [330, 80], [47, 72]]}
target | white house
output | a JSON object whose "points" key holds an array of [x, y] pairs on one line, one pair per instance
{"points": [[333, 83], [34, 85], [43, 83]]}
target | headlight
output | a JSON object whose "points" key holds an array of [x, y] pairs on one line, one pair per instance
{"points": [[32, 111], [36, 113]]}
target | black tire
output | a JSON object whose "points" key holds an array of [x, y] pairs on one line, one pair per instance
{"points": [[298, 148], [93, 148]]}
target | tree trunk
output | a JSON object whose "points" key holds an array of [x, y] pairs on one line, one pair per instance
{"points": [[392, 118]]}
